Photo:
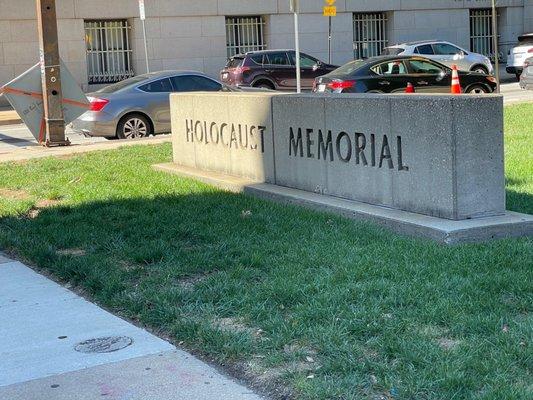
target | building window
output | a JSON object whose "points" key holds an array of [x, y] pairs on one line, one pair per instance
{"points": [[244, 34], [369, 34], [108, 51], [481, 32]]}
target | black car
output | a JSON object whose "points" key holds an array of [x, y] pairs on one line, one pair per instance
{"points": [[391, 74]]}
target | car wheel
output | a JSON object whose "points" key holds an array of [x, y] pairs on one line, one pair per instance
{"points": [[264, 85], [477, 89], [134, 126], [480, 69]]}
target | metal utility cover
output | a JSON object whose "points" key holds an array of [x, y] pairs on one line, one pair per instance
{"points": [[25, 95]]}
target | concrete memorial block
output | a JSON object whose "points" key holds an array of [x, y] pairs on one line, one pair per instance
{"points": [[435, 155], [424, 165], [224, 133]]}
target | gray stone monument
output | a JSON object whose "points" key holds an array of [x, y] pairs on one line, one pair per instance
{"points": [[430, 165]]}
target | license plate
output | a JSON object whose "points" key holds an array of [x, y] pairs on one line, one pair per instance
{"points": [[225, 75], [321, 88]]}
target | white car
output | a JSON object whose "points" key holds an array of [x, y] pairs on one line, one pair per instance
{"points": [[518, 54], [444, 52]]}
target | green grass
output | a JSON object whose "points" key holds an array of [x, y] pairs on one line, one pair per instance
{"points": [[313, 305]]}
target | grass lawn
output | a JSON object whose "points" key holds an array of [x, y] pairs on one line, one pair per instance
{"points": [[303, 304]]}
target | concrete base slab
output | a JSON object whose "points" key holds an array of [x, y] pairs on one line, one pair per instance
{"points": [[446, 231], [171, 375]]}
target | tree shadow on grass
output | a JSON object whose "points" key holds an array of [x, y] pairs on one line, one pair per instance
{"points": [[182, 264]]}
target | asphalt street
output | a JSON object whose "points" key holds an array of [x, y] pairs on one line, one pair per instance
{"points": [[13, 137]]}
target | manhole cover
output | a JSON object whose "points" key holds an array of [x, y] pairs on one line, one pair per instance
{"points": [[104, 344]]}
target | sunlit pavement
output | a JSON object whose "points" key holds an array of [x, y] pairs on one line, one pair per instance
{"points": [[14, 137]]}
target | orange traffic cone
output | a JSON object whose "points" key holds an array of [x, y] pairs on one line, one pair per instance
{"points": [[410, 88], [456, 86]]}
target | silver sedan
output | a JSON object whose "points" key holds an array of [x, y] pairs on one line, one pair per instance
{"points": [[139, 106]]}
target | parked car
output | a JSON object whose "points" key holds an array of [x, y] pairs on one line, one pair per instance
{"points": [[445, 53], [273, 69], [526, 79], [139, 106], [390, 74], [518, 54]]}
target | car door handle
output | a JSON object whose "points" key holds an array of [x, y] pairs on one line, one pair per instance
{"points": [[422, 83], [384, 83]]}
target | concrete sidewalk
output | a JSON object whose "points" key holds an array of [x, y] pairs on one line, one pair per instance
{"points": [[9, 116], [33, 152], [53, 347]]}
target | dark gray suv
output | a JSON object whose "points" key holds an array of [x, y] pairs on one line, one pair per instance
{"points": [[273, 69]]}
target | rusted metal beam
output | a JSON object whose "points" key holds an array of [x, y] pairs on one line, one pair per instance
{"points": [[54, 122]]}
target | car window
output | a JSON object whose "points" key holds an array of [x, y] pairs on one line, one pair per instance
{"points": [[424, 67], [305, 60], [258, 59], [424, 49], [445, 49], [278, 59], [349, 68], [123, 84], [395, 67], [159, 86], [194, 83]]}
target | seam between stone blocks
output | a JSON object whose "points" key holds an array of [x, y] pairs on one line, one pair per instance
{"points": [[454, 160]]}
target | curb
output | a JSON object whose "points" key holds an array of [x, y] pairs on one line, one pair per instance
{"points": [[14, 121]]}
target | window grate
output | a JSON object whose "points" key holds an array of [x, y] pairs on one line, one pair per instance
{"points": [[108, 51], [369, 34], [481, 32], [244, 34]]}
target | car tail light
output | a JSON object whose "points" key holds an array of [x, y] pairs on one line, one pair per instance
{"points": [[340, 85], [314, 85], [97, 104], [530, 50], [491, 79]]}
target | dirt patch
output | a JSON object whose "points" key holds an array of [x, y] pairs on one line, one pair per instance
{"points": [[13, 194], [189, 282], [234, 325], [71, 252], [448, 344], [47, 203]]}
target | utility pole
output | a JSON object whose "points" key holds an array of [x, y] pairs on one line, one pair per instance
{"points": [[495, 45], [295, 9], [53, 132]]}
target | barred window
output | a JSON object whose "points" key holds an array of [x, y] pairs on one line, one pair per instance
{"points": [[481, 32], [108, 51], [369, 34], [244, 34]]}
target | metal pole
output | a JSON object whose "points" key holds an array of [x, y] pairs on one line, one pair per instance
{"points": [[297, 49], [495, 45], [329, 41], [145, 47], [53, 132]]}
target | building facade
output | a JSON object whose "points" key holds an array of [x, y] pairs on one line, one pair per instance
{"points": [[101, 41]]}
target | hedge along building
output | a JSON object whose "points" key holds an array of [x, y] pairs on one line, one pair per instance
{"points": [[101, 41]]}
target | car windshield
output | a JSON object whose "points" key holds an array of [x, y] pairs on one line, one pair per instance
{"points": [[349, 68], [123, 84], [525, 39], [392, 51]]}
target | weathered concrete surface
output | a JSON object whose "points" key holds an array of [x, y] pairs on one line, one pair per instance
{"points": [[171, 375], [445, 231], [436, 155], [224, 133], [40, 324], [35, 312]]}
